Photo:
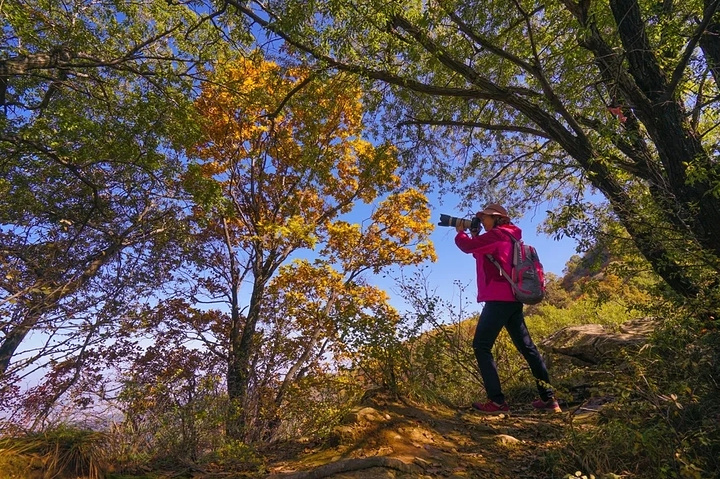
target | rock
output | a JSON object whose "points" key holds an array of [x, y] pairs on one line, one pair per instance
{"points": [[364, 415], [588, 409], [341, 434], [641, 326], [595, 343], [369, 414], [507, 440]]}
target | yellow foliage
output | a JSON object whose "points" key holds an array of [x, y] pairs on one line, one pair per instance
{"points": [[399, 234], [315, 294], [286, 149]]}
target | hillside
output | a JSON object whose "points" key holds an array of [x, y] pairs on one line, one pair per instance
{"points": [[389, 438]]}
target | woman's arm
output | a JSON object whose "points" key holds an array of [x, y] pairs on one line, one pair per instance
{"points": [[484, 243]]}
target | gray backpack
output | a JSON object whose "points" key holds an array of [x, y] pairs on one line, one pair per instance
{"points": [[527, 277]]}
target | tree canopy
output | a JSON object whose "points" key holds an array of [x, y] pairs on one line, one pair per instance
{"points": [[93, 100], [530, 101]]}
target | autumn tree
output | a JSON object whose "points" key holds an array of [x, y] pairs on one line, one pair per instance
{"points": [[339, 320], [282, 159], [171, 399], [90, 97], [536, 101]]}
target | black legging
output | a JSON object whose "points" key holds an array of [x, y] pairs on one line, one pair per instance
{"points": [[496, 315]]}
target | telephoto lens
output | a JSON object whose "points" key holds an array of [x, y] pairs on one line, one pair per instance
{"points": [[447, 220]]}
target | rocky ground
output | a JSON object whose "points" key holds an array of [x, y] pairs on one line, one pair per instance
{"points": [[388, 438]]}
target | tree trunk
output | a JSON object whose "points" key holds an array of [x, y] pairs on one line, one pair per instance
{"points": [[14, 338], [710, 43], [238, 376]]}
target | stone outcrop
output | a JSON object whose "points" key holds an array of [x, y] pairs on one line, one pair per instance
{"points": [[590, 344]]}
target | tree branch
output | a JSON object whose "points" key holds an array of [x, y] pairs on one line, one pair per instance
{"points": [[690, 47], [643, 64], [272, 115], [474, 124], [381, 75]]}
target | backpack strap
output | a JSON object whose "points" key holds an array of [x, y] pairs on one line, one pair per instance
{"points": [[500, 268], [516, 252], [509, 235]]}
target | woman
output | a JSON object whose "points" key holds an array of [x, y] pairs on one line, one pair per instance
{"points": [[501, 310]]}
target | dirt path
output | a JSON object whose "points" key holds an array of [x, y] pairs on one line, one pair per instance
{"points": [[392, 439]]}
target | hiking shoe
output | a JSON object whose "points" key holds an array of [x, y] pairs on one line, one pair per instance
{"points": [[491, 407], [550, 405]]}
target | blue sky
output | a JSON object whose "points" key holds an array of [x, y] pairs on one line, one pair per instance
{"points": [[454, 268], [452, 262]]}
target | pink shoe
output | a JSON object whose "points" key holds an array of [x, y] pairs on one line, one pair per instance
{"points": [[550, 405], [491, 407]]}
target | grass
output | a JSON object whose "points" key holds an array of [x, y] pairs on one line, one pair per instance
{"points": [[62, 451]]}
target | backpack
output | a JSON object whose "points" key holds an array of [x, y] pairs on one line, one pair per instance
{"points": [[527, 277]]}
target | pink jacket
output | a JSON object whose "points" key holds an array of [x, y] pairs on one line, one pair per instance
{"points": [[492, 286]]}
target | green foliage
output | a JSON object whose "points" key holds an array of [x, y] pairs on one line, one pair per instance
{"points": [[558, 102], [439, 364], [662, 421], [316, 405], [97, 113], [94, 100], [206, 192], [234, 456], [436, 359], [547, 319], [664, 418]]}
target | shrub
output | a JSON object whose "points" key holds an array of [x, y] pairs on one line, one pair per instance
{"points": [[665, 420], [234, 456], [62, 451]]}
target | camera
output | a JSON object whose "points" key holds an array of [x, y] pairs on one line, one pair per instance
{"points": [[471, 224]]}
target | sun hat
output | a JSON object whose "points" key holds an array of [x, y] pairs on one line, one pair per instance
{"points": [[493, 209]]}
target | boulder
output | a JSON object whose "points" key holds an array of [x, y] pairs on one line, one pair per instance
{"points": [[594, 343]]}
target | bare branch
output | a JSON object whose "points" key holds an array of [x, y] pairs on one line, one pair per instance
{"points": [[690, 47], [475, 124]]}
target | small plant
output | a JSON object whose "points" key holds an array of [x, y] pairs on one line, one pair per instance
{"points": [[236, 456], [57, 452], [663, 423]]}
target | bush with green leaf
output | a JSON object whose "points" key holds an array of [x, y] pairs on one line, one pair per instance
{"points": [[664, 421], [234, 456]]}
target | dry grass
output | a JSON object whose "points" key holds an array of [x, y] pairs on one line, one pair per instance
{"points": [[54, 454]]}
